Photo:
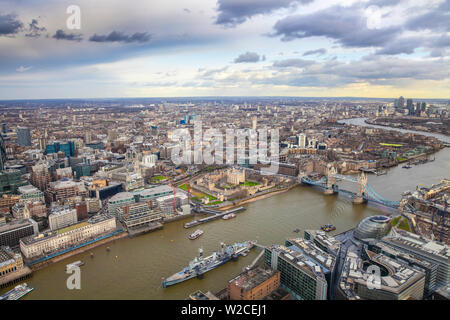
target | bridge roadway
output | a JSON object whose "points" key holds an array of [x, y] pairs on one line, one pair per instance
{"points": [[368, 195]]}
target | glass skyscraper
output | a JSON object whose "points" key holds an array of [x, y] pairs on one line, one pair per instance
{"points": [[23, 136], [2, 153], [68, 147]]}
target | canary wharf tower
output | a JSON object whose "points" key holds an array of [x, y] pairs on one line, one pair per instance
{"points": [[2, 153]]}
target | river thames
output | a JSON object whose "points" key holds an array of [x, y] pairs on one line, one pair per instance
{"points": [[134, 267]]}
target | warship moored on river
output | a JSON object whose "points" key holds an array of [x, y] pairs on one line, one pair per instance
{"points": [[200, 265]]}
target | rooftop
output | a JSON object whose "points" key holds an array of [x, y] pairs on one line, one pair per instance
{"points": [[253, 278], [15, 224], [417, 243], [328, 241], [154, 191], [28, 189], [121, 196]]}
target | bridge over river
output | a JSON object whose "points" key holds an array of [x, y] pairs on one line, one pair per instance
{"points": [[364, 192]]}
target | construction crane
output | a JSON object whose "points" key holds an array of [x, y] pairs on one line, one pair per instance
{"points": [[174, 201]]}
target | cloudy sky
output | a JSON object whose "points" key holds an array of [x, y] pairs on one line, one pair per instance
{"points": [[156, 48]]}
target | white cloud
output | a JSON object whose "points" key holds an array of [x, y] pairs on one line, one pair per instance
{"points": [[23, 69]]}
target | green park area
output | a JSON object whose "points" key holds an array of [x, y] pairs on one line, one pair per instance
{"points": [[401, 223], [250, 183], [72, 227], [158, 178], [197, 195]]}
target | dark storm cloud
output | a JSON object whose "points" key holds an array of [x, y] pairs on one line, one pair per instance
{"points": [[346, 25], [9, 25], [62, 35], [320, 51], [248, 57], [116, 36], [234, 12], [34, 31]]}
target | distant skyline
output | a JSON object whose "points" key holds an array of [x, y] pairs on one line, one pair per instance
{"points": [[195, 48]]}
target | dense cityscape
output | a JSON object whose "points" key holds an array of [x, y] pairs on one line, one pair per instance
{"points": [[80, 174], [217, 152]]}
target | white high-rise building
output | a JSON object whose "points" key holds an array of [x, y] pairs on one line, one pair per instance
{"points": [[302, 140], [149, 160], [62, 217]]}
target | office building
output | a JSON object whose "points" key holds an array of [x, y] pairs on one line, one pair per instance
{"points": [[137, 215], [81, 170], [428, 268], [10, 262], [374, 227], [8, 200], [2, 153], [64, 189], [34, 247], [401, 103], [306, 271], [105, 192], [68, 147], [30, 193], [119, 200], [153, 193], [93, 205], [397, 281], [253, 284], [10, 181], [35, 209], [130, 181], [254, 123], [61, 217], [326, 243], [302, 140], [410, 106], [62, 173], [82, 210], [431, 251], [23, 136], [165, 203], [40, 176], [12, 232]]}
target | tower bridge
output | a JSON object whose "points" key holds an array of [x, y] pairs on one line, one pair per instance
{"points": [[365, 191]]}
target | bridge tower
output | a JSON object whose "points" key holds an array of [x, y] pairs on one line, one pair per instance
{"points": [[362, 182], [331, 181]]}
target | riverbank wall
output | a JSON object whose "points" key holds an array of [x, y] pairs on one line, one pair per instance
{"points": [[39, 264]]}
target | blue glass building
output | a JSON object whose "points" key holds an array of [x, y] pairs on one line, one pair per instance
{"points": [[23, 136], [68, 147]]}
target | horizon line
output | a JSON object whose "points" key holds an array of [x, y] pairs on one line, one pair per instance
{"points": [[216, 97]]}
